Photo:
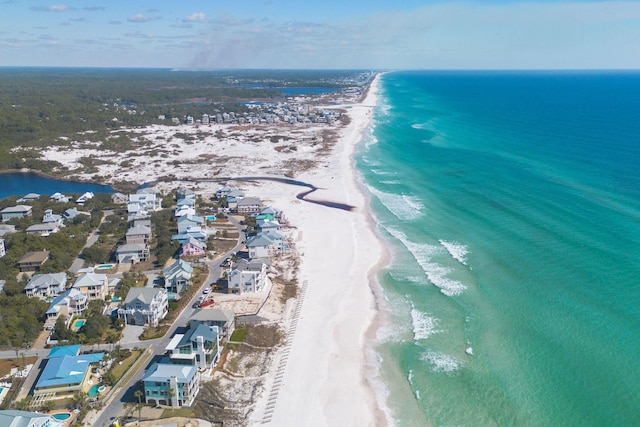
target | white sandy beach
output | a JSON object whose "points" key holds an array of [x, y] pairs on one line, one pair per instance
{"points": [[324, 380], [325, 383]]}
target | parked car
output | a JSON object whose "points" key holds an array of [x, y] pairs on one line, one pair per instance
{"points": [[206, 290]]}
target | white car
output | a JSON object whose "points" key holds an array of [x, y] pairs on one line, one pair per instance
{"points": [[206, 290]]}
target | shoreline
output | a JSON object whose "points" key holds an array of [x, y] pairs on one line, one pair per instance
{"points": [[328, 353]]}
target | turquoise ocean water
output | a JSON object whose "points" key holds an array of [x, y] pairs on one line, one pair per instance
{"points": [[510, 203]]}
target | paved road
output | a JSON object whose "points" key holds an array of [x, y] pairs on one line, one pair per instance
{"points": [[93, 237], [125, 393]]}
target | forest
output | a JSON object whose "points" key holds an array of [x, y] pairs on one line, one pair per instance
{"points": [[40, 107]]}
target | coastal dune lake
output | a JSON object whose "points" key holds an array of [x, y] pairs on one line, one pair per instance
{"points": [[510, 203], [19, 184]]}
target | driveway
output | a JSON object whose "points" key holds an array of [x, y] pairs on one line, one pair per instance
{"points": [[130, 334]]}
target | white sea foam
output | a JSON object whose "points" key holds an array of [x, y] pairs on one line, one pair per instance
{"points": [[457, 250], [436, 273], [390, 182], [381, 172], [406, 277], [423, 325], [441, 362], [403, 207], [413, 202]]}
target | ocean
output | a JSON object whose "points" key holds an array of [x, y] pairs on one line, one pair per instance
{"points": [[510, 203]]}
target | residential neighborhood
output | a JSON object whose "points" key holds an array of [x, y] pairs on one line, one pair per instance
{"points": [[226, 254]]}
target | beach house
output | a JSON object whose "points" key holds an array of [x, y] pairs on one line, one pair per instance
{"points": [[50, 217], [119, 198], [144, 306], [171, 385], [247, 276], [177, 277], [185, 207], [84, 198], [197, 347], [44, 229], [31, 197], [7, 229], [32, 261], [187, 222], [260, 246], [16, 418], [69, 303], [249, 205], [132, 253], [223, 320], [45, 286], [13, 212], [185, 193], [193, 248], [94, 286], [138, 234], [66, 372]]}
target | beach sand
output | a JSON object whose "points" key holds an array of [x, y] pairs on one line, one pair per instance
{"points": [[325, 377]]}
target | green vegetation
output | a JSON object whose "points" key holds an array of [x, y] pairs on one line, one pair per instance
{"points": [[239, 335], [164, 226], [21, 319], [178, 412], [127, 357], [97, 327], [40, 107]]}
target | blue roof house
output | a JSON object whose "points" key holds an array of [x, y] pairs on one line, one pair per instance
{"points": [[66, 371]]}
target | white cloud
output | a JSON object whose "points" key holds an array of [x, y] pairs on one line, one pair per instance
{"points": [[53, 8], [197, 17], [142, 18]]}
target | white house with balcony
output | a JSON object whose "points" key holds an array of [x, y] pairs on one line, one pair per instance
{"points": [[45, 286], [69, 303], [199, 347], [260, 246], [132, 253], [248, 276], [147, 200], [144, 306], [94, 286]]}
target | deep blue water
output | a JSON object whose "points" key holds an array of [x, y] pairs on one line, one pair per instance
{"points": [[511, 204], [19, 184]]}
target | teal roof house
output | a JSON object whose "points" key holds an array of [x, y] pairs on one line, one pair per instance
{"points": [[171, 385]]}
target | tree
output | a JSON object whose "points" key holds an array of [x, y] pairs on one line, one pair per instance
{"points": [[48, 405], [139, 393], [79, 399]]}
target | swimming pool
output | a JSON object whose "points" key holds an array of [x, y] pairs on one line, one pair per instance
{"points": [[61, 416], [93, 391], [79, 323], [104, 266]]}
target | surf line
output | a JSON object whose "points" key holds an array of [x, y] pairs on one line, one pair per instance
{"points": [[300, 196]]}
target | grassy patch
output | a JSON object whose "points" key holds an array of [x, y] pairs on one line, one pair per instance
{"points": [[153, 333], [121, 368], [178, 412], [239, 335]]}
